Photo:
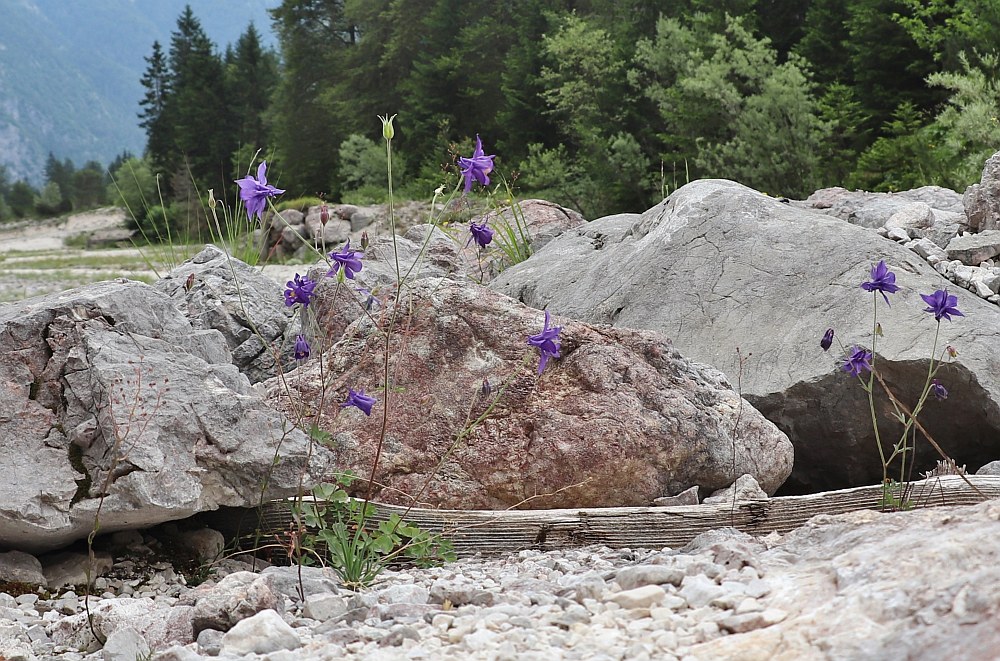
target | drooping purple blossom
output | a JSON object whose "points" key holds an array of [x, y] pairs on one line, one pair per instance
{"points": [[857, 361], [255, 191], [359, 400], [827, 340], [939, 390], [941, 305], [882, 280], [299, 290], [480, 233], [347, 259], [301, 347], [478, 167], [547, 342]]}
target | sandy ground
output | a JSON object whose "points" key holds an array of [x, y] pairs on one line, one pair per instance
{"points": [[49, 234], [23, 244]]}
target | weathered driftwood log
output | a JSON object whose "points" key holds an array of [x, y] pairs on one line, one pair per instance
{"points": [[506, 531]]}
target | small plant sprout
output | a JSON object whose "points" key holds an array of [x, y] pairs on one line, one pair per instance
{"points": [[860, 362], [255, 191], [547, 342]]}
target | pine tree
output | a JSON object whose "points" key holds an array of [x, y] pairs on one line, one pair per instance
{"points": [[314, 36], [251, 76], [196, 107], [156, 81]]}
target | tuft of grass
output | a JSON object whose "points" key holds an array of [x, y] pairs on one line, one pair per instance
{"points": [[299, 204]]}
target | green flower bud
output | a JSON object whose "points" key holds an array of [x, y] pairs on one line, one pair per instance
{"points": [[388, 132]]}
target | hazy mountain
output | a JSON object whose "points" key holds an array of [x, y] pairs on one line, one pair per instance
{"points": [[70, 70]]}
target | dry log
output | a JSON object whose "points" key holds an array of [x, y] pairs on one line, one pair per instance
{"points": [[507, 531]]}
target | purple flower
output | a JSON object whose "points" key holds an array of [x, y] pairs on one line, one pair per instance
{"points": [[478, 167], [860, 359], [481, 234], [941, 304], [883, 280], [939, 391], [299, 290], [827, 340], [547, 342], [359, 400], [301, 347], [349, 260], [254, 192]]}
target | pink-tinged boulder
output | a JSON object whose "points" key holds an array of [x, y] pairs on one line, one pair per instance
{"points": [[621, 418]]}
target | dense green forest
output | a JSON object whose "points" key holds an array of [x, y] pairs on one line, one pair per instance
{"points": [[601, 105]]}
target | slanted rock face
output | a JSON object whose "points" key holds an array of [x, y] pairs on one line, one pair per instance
{"points": [[240, 302], [620, 419], [982, 200], [718, 267], [107, 389]]}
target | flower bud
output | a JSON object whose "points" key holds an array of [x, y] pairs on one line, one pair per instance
{"points": [[324, 214], [211, 198], [388, 132], [364, 241]]}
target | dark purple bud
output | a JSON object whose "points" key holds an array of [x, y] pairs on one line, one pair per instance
{"points": [[301, 348], [939, 390], [827, 340]]}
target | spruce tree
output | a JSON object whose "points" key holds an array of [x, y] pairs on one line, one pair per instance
{"points": [[156, 81]]}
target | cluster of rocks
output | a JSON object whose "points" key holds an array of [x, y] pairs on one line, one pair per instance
{"points": [[807, 594], [290, 234], [957, 234]]}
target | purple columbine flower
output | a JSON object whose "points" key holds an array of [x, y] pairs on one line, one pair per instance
{"points": [[882, 280], [481, 234], [254, 192], [478, 167], [347, 259], [939, 390], [547, 342], [941, 305], [859, 360], [359, 400], [300, 290], [301, 347], [827, 340]]}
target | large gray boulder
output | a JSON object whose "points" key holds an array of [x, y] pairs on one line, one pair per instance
{"points": [[107, 390], [247, 307], [720, 268], [621, 418]]}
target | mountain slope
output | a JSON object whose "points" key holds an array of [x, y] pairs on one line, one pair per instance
{"points": [[69, 72]]}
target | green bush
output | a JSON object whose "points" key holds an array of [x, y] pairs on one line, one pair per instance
{"points": [[299, 204]]}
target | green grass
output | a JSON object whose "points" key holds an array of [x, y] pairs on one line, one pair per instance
{"points": [[105, 260]]}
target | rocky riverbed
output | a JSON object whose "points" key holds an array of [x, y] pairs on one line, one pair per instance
{"points": [[913, 585]]}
